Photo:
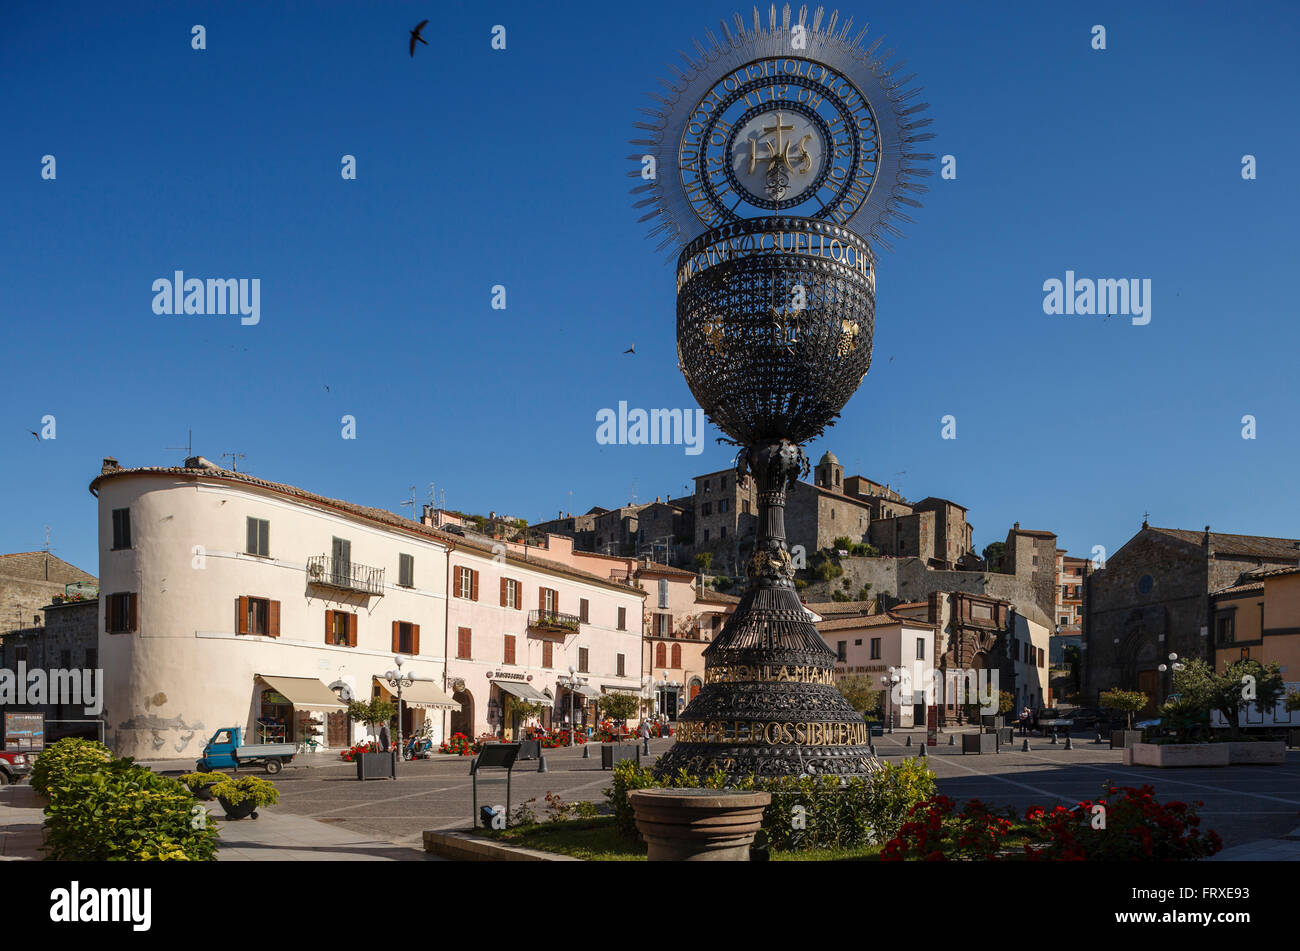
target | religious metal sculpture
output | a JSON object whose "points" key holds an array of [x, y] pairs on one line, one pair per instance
{"points": [[786, 151]]}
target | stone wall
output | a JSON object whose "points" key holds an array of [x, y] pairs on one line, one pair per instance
{"points": [[31, 580]]}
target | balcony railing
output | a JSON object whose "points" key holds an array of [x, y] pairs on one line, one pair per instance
{"points": [[553, 622], [345, 575]]}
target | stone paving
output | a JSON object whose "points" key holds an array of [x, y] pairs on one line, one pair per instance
{"points": [[324, 812]]}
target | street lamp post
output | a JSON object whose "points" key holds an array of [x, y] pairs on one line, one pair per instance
{"points": [[889, 683], [399, 681], [1171, 668], [571, 683]]}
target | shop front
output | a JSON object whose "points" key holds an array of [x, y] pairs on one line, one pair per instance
{"points": [[503, 710], [421, 706], [292, 709]]}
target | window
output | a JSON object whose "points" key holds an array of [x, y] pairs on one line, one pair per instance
{"points": [[707, 487], [722, 483], [875, 648], [341, 557], [510, 649], [1245, 653], [677, 656], [121, 528], [841, 651], [462, 643], [509, 593], [549, 600], [664, 625], [622, 666], [340, 629], [708, 508], [259, 616], [706, 534], [1040, 657], [663, 592], [1223, 629], [661, 655], [583, 608], [622, 619], [1064, 621], [582, 660], [548, 653], [466, 584], [857, 642], [258, 537], [120, 613], [406, 638], [723, 533], [406, 571], [920, 648], [722, 506]]}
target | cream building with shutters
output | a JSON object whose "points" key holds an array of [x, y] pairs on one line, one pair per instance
{"points": [[232, 601]]}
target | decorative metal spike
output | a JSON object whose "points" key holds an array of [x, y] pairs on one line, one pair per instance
{"points": [[908, 112], [653, 214], [857, 40], [785, 18], [771, 18], [830, 27], [844, 31], [817, 18], [641, 188], [871, 50], [803, 15], [923, 137], [727, 30], [714, 46], [645, 201], [740, 25]]}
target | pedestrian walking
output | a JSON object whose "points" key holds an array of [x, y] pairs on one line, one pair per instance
{"points": [[383, 738]]}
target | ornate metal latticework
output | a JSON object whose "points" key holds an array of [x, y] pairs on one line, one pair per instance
{"points": [[774, 325], [771, 162]]}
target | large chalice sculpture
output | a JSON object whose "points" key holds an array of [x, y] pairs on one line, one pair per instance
{"points": [[777, 157]]}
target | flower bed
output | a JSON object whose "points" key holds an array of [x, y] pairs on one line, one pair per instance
{"points": [[1129, 826], [350, 755], [562, 738]]}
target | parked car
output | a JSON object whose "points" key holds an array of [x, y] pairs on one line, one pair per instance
{"points": [[14, 766]]}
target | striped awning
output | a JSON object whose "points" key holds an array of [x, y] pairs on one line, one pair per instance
{"points": [[423, 694]]}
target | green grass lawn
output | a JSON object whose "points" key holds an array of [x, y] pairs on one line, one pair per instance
{"points": [[596, 840]]}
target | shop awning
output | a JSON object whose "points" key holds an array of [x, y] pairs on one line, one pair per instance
{"points": [[587, 691], [522, 690], [424, 694], [305, 693]]}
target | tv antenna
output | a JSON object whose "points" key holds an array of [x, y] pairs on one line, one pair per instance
{"points": [[411, 502], [188, 448], [234, 458]]}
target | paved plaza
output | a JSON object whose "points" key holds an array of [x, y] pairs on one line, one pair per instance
{"points": [[324, 812]]}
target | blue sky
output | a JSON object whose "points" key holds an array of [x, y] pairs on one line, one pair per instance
{"points": [[478, 167]]}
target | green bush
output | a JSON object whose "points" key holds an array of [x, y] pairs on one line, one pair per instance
{"points": [[236, 791], [195, 780], [122, 812], [66, 758], [807, 812]]}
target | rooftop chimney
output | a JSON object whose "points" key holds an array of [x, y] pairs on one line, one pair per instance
{"points": [[109, 464]]}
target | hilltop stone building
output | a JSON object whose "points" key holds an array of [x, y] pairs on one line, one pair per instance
{"points": [[30, 580]]}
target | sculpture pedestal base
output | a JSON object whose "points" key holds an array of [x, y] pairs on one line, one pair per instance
{"points": [[699, 825]]}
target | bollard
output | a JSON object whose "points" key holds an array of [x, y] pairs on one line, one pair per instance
{"points": [[952, 740], [923, 754], [586, 751], [871, 747], [541, 763], [1098, 739], [1053, 737], [909, 741], [1025, 748], [1069, 742]]}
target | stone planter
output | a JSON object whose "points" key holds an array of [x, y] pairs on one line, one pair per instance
{"points": [[203, 792], [1123, 739], [979, 743], [377, 765], [241, 810], [1173, 755], [699, 825], [1265, 753]]}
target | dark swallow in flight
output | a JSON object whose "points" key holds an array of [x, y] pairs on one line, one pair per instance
{"points": [[416, 37]]}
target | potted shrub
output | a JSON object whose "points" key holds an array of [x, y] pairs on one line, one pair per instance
{"points": [[242, 797], [1127, 702], [374, 764], [201, 783]]}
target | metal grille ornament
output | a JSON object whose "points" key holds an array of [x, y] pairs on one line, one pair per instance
{"points": [[779, 153]]}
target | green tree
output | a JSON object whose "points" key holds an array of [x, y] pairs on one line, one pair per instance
{"points": [[703, 562], [993, 553], [1006, 701], [518, 708], [1241, 683], [863, 695], [1125, 701], [1293, 700], [618, 706], [843, 543], [372, 713]]}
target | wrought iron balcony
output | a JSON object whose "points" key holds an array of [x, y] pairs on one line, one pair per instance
{"points": [[330, 572], [553, 622]]}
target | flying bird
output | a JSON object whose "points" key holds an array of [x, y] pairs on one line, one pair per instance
{"points": [[37, 435], [416, 37], [631, 349]]}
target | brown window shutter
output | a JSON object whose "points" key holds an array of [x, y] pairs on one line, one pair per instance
{"points": [[582, 610], [329, 627], [463, 644], [509, 657], [503, 592], [555, 601], [243, 615], [661, 655], [352, 630], [415, 638], [541, 599], [547, 655], [273, 619], [677, 656], [519, 595], [133, 602], [396, 637]]}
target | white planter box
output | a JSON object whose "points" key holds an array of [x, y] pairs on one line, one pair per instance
{"points": [[1168, 755]]}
